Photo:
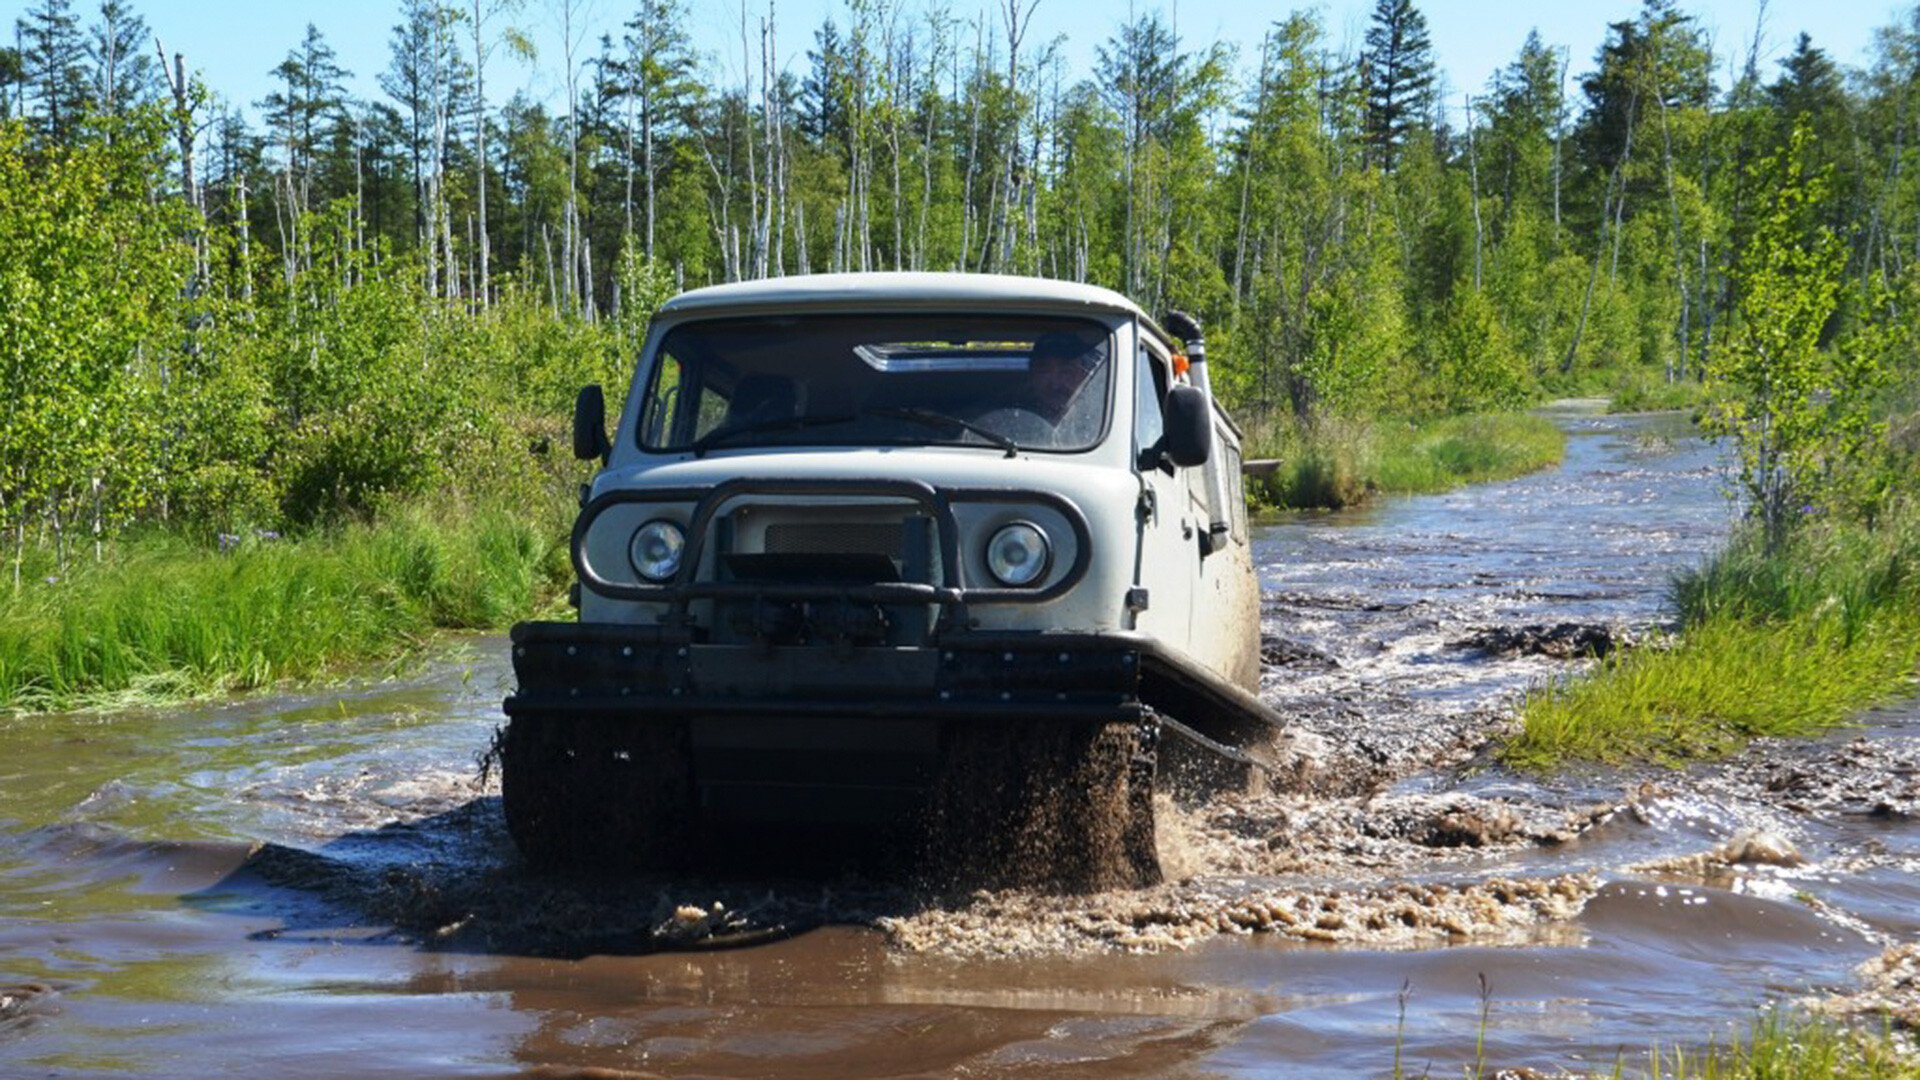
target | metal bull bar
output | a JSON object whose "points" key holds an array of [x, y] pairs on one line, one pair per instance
{"points": [[952, 596]]}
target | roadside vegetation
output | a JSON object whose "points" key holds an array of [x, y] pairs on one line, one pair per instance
{"points": [[1785, 1045], [1781, 1044], [1813, 611], [1788, 643], [168, 619], [1341, 463]]}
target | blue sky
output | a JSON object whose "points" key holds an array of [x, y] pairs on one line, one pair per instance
{"points": [[235, 43]]}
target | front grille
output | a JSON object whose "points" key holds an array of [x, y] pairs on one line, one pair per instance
{"points": [[835, 538]]}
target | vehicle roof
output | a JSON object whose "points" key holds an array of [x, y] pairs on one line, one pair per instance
{"points": [[905, 289]]}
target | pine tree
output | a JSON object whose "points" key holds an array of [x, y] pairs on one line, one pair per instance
{"points": [[13, 74], [52, 57], [1396, 76], [124, 73], [309, 107], [1524, 124]]}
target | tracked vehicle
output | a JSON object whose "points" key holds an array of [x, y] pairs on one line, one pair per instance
{"points": [[958, 559]]}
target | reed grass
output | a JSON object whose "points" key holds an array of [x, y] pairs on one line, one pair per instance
{"points": [[165, 618], [1781, 1044], [1789, 1046], [1339, 463], [1784, 644], [1645, 391]]}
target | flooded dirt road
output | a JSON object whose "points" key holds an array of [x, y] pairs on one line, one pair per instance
{"points": [[313, 885]]}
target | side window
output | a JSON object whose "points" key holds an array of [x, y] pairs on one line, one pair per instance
{"points": [[1149, 400], [662, 398], [1236, 487], [679, 409]]}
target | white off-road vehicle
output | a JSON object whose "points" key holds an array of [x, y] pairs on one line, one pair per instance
{"points": [[948, 554]]}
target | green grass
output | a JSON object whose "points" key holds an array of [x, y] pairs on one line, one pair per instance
{"points": [[1789, 1046], [1341, 463], [1783, 645], [163, 618], [1644, 391]]}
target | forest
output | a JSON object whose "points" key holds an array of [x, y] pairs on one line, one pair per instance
{"points": [[224, 326]]}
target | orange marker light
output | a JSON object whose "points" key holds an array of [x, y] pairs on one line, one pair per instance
{"points": [[1180, 365]]}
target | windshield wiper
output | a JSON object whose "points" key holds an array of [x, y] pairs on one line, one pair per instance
{"points": [[721, 435], [933, 419]]}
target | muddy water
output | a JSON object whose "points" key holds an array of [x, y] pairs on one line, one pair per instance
{"points": [[314, 885]]}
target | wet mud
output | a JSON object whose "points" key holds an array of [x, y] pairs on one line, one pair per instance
{"points": [[322, 882]]}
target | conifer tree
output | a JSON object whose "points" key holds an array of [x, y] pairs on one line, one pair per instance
{"points": [[52, 56], [12, 76], [309, 106], [124, 72], [1396, 75]]}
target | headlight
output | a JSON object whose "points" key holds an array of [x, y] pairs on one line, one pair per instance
{"points": [[655, 550], [1019, 554]]}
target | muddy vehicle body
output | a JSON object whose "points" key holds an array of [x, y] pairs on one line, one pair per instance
{"points": [[950, 555]]}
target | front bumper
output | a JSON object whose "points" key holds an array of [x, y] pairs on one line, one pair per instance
{"points": [[640, 671], [828, 734]]}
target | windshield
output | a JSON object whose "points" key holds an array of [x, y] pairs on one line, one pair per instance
{"points": [[1014, 382]]}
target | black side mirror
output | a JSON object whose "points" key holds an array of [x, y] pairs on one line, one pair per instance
{"points": [[590, 424], [1189, 439]]}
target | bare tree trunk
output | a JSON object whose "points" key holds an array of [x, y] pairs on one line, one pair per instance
{"points": [[570, 217], [483, 280], [626, 159], [769, 120], [183, 126], [896, 107], [839, 263], [1679, 258], [777, 162], [1620, 196], [1559, 133], [800, 229], [1473, 173], [553, 277], [753, 261], [587, 310], [246, 245], [1586, 303], [1015, 23]]}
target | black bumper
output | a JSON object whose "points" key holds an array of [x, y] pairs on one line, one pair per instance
{"points": [[636, 671], [849, 735]]}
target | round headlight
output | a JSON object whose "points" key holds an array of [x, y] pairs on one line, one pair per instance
{"points": [[1018, 554], [655, 550]]}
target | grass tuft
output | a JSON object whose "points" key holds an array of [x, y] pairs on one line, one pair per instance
{"points": [[165, 618], [1789, 1046], [1341, 463], [1783, 645]]}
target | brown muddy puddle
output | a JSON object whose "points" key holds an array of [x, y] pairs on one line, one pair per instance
{"points": [[314, 885]]}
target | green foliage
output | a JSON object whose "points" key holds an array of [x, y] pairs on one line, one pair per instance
{"points": [[1787, 641], [87, 272], [1789, 1045], [1639, 390], [1797, 413], [166, 618], [1339, 463], [1470, 363]]}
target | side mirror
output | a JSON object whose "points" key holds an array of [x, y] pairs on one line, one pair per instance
{"points": [[590, 424], [1189, 439]]}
